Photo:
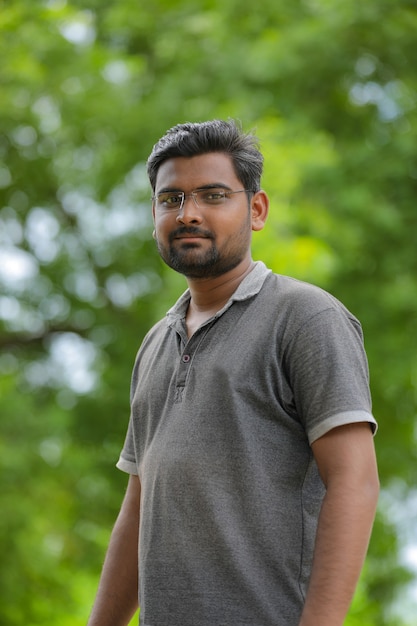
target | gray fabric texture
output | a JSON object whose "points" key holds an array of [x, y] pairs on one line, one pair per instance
{"points": [[220, 432]]}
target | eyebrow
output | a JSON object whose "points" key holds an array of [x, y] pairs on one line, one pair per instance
{"points": [[200, 188]]}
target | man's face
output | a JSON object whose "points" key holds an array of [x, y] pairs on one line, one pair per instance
{"points": [[202, 241]]}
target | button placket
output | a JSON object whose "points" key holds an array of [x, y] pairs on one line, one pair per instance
{"points": [[189, 349], [183, 369]]}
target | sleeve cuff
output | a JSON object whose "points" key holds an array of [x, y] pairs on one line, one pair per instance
{"points": [[127, 466], [341, 419]]}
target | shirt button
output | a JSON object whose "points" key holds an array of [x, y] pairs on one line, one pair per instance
{"points": [[186, 358]]}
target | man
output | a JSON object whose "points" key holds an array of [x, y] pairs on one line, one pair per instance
{"points": [[253, 481]]}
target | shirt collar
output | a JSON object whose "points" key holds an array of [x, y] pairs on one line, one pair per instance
{"points": [[250, 286]]}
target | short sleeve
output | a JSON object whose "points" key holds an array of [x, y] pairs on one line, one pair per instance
{"points": [[127, 461], [329, 373]]}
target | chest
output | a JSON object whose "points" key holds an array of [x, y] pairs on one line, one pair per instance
{"points": [[225, 384]]}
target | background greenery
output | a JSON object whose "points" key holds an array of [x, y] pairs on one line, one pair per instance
{"points": [[86, 89]]}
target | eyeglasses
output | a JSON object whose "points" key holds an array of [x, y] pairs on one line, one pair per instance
{"points": [[174, 200]]}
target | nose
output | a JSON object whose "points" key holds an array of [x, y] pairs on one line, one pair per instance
{"points": [[189, 213]]}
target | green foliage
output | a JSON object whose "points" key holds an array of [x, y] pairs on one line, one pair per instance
{"points": [[86, 89]]}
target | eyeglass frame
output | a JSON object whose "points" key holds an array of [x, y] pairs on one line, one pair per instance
{"points": [[193, 194]]}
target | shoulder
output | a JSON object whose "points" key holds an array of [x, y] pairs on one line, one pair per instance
{"points": [[300, 314], [302, 301], [148, 350], [154, 334], [294, 290], [152, 337]]}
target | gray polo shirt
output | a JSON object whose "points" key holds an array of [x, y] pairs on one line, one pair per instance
{"points": [[219, 434]]}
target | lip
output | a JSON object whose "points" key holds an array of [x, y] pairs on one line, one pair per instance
{"points": [[190, 237]]}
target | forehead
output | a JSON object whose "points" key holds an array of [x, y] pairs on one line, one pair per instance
{"points": [[187, 173]]}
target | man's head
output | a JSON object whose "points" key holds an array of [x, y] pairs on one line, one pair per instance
{"points": [[203, 219], [192, 139]]}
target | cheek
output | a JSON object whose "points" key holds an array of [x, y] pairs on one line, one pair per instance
{"points": [[163, 224], [236, 228]]}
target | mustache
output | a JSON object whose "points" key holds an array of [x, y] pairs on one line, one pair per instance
{"points": [[190, 230]]}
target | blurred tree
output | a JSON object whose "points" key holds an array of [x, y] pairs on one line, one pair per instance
{"points": [[86, 88]]}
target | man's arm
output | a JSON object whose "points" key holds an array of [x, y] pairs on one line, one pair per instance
{"points": [[117, 595], [346, 460]]}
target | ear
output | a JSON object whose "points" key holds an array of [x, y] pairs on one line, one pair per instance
{"points": [[259, 210]]}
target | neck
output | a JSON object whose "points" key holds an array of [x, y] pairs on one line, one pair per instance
{"points": [[209, 295]]}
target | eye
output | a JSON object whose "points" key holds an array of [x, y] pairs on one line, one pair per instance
{"points": [[212, 196], [169, 200]]}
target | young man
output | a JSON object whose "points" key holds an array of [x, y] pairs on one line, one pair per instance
{"points": [[253, 481]]}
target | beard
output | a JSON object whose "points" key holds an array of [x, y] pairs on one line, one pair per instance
{"points": [[194, 262]]}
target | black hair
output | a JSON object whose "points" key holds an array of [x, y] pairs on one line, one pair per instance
{"points": [[192, 139]]}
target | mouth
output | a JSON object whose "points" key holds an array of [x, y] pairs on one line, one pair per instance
{"points": [[189, 236]]}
